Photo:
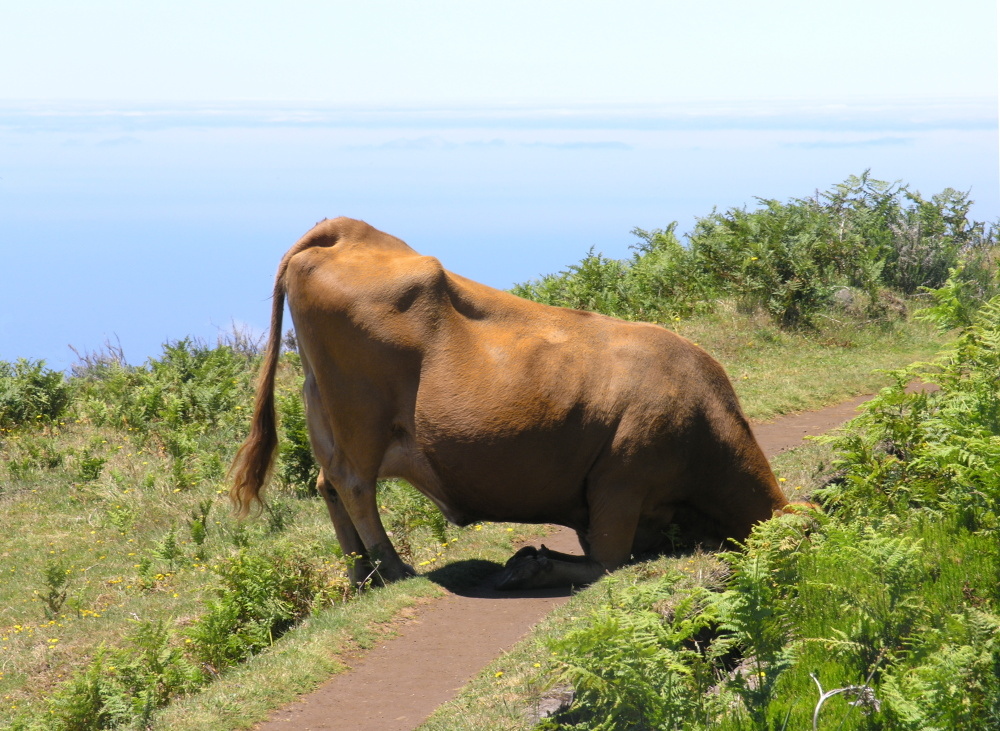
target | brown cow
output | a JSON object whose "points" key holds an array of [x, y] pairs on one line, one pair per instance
{"points": [[499, 409]]}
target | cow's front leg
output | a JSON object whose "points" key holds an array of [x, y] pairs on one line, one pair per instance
{"points": [[541, 568], [608, 540]]}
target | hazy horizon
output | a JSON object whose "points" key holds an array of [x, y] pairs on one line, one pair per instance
{"points": [[505, 139]]}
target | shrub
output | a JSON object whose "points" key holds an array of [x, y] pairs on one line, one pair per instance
{"points": [[30, 393], [122, 688], [296, 467], [261, 595], [632, 666], [596, 283], [788, 258], [55, 579], [955, 683], [665, 280], [934, 451], [778, 258], [191, 387], [955, 303], [90, 467]]}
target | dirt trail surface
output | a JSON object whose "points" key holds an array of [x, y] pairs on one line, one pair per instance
{"points": [[399, 683]]}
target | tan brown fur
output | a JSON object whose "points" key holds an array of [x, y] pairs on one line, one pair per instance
{"points": [[498, 408]]}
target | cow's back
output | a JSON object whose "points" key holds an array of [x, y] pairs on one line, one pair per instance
{"points": [[506, 405]]}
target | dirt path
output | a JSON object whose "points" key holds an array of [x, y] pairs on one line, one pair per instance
{"points": [[398, 684]]}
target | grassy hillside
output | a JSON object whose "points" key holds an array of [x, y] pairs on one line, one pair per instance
{"points": [[128, 549], [126, 581], [132, 598]]}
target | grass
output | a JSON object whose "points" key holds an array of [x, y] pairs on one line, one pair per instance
{"points": [[775, 371], [115, 579], [124, 543], [114, 512], [299, 662], [319, 647]]}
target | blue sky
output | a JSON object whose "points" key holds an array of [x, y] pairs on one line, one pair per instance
{"points": [[155, 162]]}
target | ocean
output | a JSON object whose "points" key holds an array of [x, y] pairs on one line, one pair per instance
{"points": [[149, 223]]}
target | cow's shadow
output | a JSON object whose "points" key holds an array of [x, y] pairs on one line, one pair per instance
{"points": [[475, 577]]}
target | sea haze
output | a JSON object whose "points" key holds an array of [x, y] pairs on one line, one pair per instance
{"points": [[151, 222]]}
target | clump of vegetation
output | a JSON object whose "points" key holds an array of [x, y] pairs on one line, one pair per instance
{"points": [[55, 581], [191, 389], [121, 688], [633, 664], [896, 458], [261, 595], [297, 467], [31, 394], [861, 245]]}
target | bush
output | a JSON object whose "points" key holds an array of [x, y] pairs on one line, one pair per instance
{"points": [[192, 386], [789, 258], [955, 303], [596, 284], [262, 594], [122, 688], [780, 258], [30, 393], [933, 451], [296, 467], [632, 666]]}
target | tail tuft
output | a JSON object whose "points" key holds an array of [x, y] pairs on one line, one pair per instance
{"points": [[254, 461]]}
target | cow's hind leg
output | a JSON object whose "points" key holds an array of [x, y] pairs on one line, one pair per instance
{"points": [[359, 565], [351, 502], [358, 498]]}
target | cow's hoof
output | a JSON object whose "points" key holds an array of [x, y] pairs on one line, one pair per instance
{"points": [[526, 569], [403, 571], [364, 574]]}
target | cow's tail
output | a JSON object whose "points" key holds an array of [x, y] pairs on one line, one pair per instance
{"points": [[255, 459]]}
